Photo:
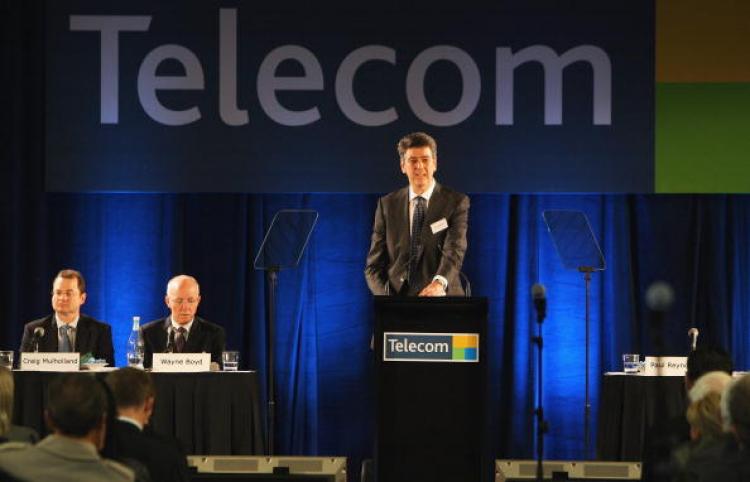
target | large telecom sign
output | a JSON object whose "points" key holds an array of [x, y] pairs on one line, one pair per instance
{"points": [[226, 97]]}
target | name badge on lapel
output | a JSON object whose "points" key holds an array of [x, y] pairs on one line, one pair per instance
{"points": [[438, 226]]}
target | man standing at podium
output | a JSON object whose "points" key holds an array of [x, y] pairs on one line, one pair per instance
{"points": [[419, 234], [182, 331]]}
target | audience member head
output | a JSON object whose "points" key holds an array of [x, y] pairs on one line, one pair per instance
{"points": [[134, 393], [68, 294], [711, 382], [182, 298], [736, 409], [77, 408], [6, 400], [706, 359], [704, 412], [704, 416]]}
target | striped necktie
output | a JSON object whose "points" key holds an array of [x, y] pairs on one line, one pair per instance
{"points": [[65, 345], [416, 239], [179, 340]]}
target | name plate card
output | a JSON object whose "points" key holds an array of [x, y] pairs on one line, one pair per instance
{"points": [[665, 366], [181, 362], [50, 362]]}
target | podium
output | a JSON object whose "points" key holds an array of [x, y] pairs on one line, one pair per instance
{"points": [[431, 379]]}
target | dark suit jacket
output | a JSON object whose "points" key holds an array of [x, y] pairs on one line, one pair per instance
{"points": [[204, 337], [92, 336], [442, 253], [164, 459]]}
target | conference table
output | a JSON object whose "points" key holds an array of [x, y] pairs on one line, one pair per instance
{"points": [[210, 413], [629, 406]]}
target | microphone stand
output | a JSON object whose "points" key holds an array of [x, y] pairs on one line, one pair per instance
{"points": [[272, 277], [541, 424], [170, 341], [587, 270], [38, 334]]}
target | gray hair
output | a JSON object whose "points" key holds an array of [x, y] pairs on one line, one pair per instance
{"points": [[711, 382]]}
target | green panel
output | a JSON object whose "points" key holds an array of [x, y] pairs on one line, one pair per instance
{"points": [[702, 138]]}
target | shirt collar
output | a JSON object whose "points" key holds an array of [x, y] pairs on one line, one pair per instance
{"points": [[73, 324], [131, 421], [426, 195], [176, 326]]}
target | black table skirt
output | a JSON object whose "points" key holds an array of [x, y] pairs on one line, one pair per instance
{"points": [[629, 406], [209, 413]]}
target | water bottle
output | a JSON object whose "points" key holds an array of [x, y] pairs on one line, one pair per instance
{"points": [[135, 344]]}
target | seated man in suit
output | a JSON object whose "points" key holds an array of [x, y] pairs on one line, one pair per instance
{"points": [[134, 393], [67, 330], [182, 331], [76, 413], [419, 234]]}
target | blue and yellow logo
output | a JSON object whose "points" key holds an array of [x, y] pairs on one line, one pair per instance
{"points": [[466, 347]]}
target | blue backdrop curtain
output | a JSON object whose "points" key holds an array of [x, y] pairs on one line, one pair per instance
{"points": [[129, 245]]}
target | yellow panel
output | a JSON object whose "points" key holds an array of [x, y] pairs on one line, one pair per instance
{"points": [[702, 41], [464, 341]]}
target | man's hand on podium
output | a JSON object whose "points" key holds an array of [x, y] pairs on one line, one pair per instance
{"points": [[433, 289]]}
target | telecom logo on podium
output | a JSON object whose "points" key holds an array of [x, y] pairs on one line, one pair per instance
{"points": [[431, 347]]}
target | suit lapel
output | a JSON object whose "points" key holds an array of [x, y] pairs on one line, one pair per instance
{"points": [[435, 210], [49, 340], [83, 333], [194, 338], [163, 334], [401, 215]]}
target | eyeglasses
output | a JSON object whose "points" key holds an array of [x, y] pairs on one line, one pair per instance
{"points": [[65, 293], [181, 301]]}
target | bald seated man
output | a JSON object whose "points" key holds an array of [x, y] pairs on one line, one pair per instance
{"points": [[182, 331]]}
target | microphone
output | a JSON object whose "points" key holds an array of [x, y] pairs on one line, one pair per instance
{"points": [[38, 334], [539, 295], [170, 341], [693, 333], [467, 291]]}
